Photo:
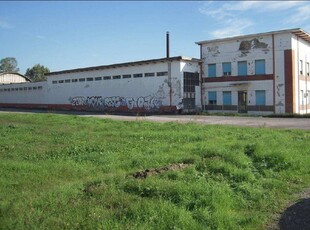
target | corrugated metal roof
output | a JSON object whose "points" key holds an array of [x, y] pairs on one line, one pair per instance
{"points": [[3, 73], [126, 64], [297, 31]]}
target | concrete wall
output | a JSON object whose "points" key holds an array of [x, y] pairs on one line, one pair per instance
{"points": [[145, 94]]}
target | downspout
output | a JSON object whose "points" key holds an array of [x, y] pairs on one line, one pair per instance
{"points": [[298, 73], [169, 70], [201, 80], [274, 75]]}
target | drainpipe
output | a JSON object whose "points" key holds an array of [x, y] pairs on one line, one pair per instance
{"points": [[169, 70], [201, 80], [274, 75]]}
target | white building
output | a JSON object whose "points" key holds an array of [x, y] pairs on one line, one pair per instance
{"points": [[257, 73], [9, 78], [157, 85]]}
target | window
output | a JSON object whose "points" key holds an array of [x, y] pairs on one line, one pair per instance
{"points": [[40, 87], [67, 81], [12, 89], [259, 67], [211, 70], [89, 79], [149, 74], [21, 89], [260, 96], [242, 68], [227, 98], [29, 88], [98, 78], [226, 68], [54, 82], [117, 77], [25, 88], [307, 68], [107, 78], [74, 80], [300, 67], [160, 74], [61, 81], [136, 75], [212, 98], [302, 97], [126, 76], [35, 88], [81, 79]]}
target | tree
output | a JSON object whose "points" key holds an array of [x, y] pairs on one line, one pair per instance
{"points": [[9, 65], [36, 73]]}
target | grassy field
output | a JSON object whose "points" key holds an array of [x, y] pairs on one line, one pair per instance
{"points": [[65, 172]]}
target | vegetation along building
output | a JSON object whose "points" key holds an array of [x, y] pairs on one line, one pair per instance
{"points": [[256, 74]]}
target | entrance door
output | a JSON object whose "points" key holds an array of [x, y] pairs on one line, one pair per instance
{"points": [[242, 102]]}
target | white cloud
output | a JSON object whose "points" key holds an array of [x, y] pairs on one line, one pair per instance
{"points": [[234, 18], [5, 25]]}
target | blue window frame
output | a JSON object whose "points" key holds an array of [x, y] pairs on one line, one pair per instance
{"points": [[212, 98], [260, 96], [226, 68], [211, 70], [227, 98], [242, 68], [260, 67]]}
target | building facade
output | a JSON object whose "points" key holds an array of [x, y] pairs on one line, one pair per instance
{"points": [[9, 78], [257, 74], [157, 85]]}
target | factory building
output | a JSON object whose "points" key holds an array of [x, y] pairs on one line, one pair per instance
{"points": [[157, 85], [261, 73], [257, 73]]}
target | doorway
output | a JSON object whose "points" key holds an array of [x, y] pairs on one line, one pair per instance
{"points": [[242, 101]]}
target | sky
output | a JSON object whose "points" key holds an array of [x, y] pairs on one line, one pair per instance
{"points": [[74, 34]]}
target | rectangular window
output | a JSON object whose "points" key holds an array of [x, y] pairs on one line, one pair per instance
{"points": [[67, 81], [212, 98], [98, 78], [242, 68], [126, 76], [21, 89], [302, 97], [160, 74], [54, 82], [29, 88], [227, 98], [149, 74], [307, 66], [81, 79], [107, 78], [74, 80], [89, 79], [226, 68], [35, 88], [61, 81], [12, 89], [40, 87], [25, 88], [117, 77], [301, 67], [138, 75], [211, 70], [260, 96], [260, 67]]}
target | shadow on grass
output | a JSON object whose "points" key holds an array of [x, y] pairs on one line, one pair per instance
{"points": [[296, 216]]}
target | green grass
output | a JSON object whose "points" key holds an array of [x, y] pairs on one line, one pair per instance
{"points": [[65, 172]]}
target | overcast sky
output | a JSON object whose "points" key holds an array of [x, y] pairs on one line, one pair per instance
{"points": [[65, 35]]}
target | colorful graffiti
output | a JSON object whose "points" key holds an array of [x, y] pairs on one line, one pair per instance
{"points": [[102, 103]]}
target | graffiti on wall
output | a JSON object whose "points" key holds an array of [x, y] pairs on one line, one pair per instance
{"points": [[101, 103]]}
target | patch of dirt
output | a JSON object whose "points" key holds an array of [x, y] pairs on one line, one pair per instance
{"points": [[151, 172], [296, 216]]}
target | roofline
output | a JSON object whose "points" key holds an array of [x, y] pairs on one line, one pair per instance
{"points": [[297, 31], [125, 64], [17, 74]]}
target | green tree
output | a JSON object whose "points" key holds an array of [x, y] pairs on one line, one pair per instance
{"points": [[36, 73], [8, 65]]}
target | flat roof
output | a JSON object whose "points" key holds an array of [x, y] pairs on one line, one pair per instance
{"points": [[126, 64], [297, 31]]}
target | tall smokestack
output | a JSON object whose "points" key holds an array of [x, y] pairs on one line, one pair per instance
{"points": [[167, 45]]}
